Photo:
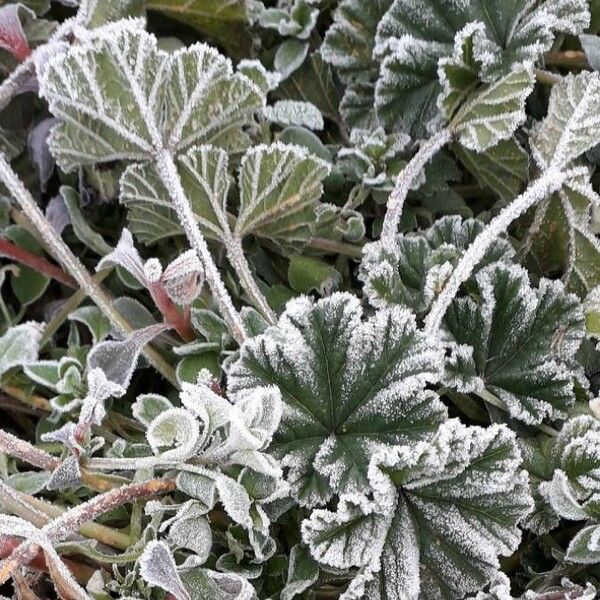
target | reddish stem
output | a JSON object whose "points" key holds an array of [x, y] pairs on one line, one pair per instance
{"points": [[179, 321], [35, 262]]}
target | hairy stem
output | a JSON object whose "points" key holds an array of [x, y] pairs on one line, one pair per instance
{"points": [[176, 319], [37, 263], [170, 176], [567, 58], [546, 77], [40, 513], [28, 453], [71, 520], [547, 184], [333, 247], [406, 178], [235, 254], [73, 265]]}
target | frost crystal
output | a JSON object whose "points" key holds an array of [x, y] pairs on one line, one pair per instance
{"points": [[346, 383]]}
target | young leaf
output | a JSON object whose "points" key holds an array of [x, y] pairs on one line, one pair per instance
{"points": [[413, 269], [349, 387], [520, 342]]}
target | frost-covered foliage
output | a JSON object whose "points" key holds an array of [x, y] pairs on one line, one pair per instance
{"points": [[300, 300]]}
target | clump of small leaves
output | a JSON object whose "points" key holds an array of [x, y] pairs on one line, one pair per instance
{"points": [[299, 300]]}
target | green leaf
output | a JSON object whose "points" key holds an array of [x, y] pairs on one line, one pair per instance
{"points": [[312, 82], [279, 186], [223, 22], [494, 112], [97, 14], [306, 273], [28, 284], [564, 242], [204, 176], [94, 319], [414, 268], [189, 97], [19, 345], [449, 507], [85, 234], [571, 126], [503, 168], [302, 573], [349, 385], [517, 342], [413, 36]]}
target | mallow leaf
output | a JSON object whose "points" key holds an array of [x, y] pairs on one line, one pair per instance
{"points": [[412, 269], [517, 342], [413, 36], [571, 126], [154, 98], [279, 185], [204, 176], [349, 386], [562, 240], [447, 508], [348, 46]]}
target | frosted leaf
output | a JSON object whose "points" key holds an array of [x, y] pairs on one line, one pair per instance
{"points": [[188, 97], [174, 434], [503, 168], [279, 185], [125, 255], [350, 537], [235, 500], [254, 70], [494, 112], [19, 345], [199, 486], [585, 546], [571, 126], [302, 573], [63, 579], [212, 585], [415, 34], [148, 406], [348, 46], [157, 567], [183, 278], [99, 390], [67, 475], [572, 488], [204, 177], [412, 269], [207, 103], [350, 40], [524, 341], [571, 591], [118, 359], [563, 220], [454, 513], [294, 112], [298, 20], [190, 530], [348, 385]]}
